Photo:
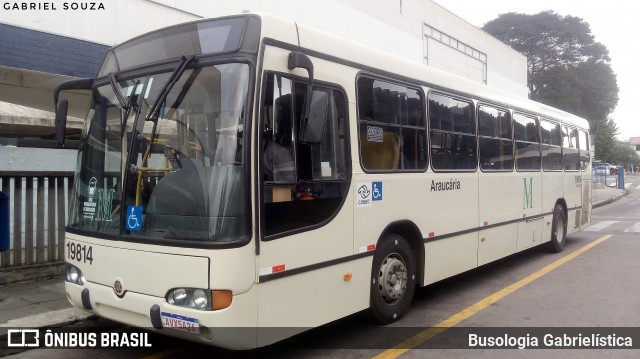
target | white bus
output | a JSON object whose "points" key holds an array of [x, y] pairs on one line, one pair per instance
{"points": [[249, 172]]}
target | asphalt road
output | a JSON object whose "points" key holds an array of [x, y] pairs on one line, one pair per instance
{"points": [[593, 283]]}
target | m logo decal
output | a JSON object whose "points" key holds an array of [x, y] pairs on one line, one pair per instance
{"points": [[528, 193], [104, 205]]}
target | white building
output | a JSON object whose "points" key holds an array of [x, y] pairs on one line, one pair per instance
{"points": [[44, 43]]}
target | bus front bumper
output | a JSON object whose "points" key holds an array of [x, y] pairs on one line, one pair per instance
{"points": [[233, 327]]}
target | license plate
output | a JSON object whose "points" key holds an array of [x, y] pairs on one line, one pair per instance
{"points": [[180, 322]]}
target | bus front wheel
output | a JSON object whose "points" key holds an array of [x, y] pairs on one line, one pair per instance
{"points": [[393, 277], [558, 230]]}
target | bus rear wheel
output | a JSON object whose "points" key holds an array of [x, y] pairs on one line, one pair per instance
{"points": [[558, 230], [393, 277]]}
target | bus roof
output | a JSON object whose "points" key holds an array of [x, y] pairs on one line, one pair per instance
{"points": [[322, 44], [359, 55]]}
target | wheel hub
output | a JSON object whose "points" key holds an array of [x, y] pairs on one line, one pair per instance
{"points": [[392, 280]]}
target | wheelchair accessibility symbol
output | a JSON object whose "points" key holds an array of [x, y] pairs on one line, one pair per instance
{"points": [[134, 218], [377, 191]]}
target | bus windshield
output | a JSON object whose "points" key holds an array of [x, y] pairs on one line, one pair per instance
{"points": [[177, 174]]}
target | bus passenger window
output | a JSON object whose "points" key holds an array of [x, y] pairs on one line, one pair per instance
{"points": [[453, 133], [583, 145], [551, 146], [525, 129], [570, 152], [496, 146], [392, 126]]}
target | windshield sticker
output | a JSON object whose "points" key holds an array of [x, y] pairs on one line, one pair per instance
{"points": [[126, 91], [92, 188], [89, 207], [134, 218], [146, 93], [129, 89], [100, 210], [105, 201]]}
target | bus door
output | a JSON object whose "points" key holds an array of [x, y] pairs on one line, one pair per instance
{"points": [[573, 185], [306, 223], [585, 168]]}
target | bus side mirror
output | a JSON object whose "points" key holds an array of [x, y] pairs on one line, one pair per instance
{"points": [[61, 121], [314, 114], [300, 60], [313, 125], [61, 109]]}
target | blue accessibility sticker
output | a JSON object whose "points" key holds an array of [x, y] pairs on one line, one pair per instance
{"points": [[376, 191], [134, 218]]}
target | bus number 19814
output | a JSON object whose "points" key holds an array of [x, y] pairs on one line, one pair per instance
{"points": [[79, 252]]}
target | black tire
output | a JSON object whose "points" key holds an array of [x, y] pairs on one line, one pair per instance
{"points": [[391, 296], [558, 230]]}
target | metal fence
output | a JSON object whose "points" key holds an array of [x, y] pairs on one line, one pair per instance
{"points": [[38, 214], [605, 178]]}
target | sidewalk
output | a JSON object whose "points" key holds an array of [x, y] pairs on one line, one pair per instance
{"points": [[36, 304], [43, 303], [606, 195]]}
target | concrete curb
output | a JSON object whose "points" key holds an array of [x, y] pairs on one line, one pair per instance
{"points": [[609, 200], [32, 272]]}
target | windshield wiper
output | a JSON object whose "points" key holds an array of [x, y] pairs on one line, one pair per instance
{"points": [[124, 104], [154, 111]]}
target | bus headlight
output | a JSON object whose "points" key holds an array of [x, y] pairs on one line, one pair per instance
{"points": [[201, 299], [73, 274], [179, 296], [189, 298]]}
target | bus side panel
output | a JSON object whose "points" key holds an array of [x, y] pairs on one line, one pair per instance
{"points": [[446, 258], [309, 298], [395, 198], [587, 185], [500, 202], [313, 298], [552, 189], [452, 210], [573, 196], [530, 229], [239, 281]]}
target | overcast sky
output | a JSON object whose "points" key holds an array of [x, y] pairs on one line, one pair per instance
{"points": [[613, 23]]}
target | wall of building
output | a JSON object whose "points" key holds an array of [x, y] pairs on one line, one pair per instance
{"points": [[116, 22], [396, 26]]}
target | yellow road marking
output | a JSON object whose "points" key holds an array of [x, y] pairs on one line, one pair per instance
{"points": [[429, 333]]}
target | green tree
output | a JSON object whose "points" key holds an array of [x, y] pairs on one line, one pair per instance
{"points": [[604, 133], [572, 89], [623, 154], [567, 68]]}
